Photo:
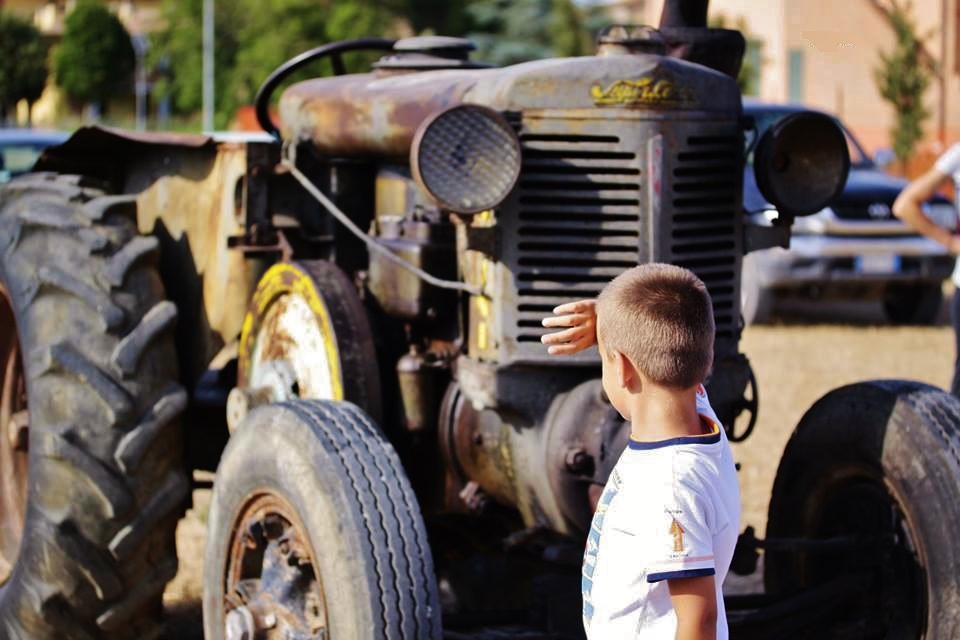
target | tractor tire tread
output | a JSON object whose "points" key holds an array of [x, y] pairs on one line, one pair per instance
{"points": [[384, 512], [106, 476]]}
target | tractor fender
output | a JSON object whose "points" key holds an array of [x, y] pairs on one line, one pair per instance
{"points": [[105, 151]]}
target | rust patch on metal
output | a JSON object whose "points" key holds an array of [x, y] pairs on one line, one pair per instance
{"points": [[368, 114], [278, 341]]}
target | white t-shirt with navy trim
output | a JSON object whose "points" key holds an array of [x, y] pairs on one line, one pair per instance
{"points": [[671, 509]]}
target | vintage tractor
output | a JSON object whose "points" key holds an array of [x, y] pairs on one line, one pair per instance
{"points": [[343, 318]]}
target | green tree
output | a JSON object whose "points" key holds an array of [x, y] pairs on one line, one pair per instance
{"points": [[748, 79], [180, 46], [252, 38], [902, 79], [511, 31], [95, 59], [568, 35], [439, 17], [23, 63]]}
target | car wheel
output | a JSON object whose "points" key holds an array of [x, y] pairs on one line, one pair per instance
{"points": [[913, 304]]}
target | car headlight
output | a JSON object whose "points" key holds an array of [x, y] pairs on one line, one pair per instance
{"points": [[815, 223], [812, 224], [943, 214], [763, 218]]}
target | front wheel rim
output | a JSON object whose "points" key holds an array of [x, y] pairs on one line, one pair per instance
{"points": [[272, 584]]}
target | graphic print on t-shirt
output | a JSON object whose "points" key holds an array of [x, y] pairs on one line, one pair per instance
{"points": [[677, 532], [593, 543]]}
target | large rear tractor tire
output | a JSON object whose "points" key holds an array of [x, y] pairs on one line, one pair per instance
{"points": [[314, 532], [874, 468], [91, 404]]}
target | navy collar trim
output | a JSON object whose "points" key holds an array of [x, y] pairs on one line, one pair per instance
{"points": [[708, 438]]}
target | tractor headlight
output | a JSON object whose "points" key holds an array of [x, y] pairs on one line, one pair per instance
{"points": [[467, 158], [801, 162]]}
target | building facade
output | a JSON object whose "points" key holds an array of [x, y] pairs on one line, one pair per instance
{"points": [[823, 53], [138, 16]]}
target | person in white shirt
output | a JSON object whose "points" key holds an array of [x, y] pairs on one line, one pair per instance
{"points": [[909, 208], [664, 531]]}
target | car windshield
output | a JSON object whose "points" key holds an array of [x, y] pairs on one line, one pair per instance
{"points": [[17, 158], [766, 118]]}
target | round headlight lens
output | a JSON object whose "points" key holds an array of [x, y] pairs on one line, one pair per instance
{"points": [[467, 158]]}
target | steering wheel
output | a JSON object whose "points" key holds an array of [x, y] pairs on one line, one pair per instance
{"points": [[333, 50]]}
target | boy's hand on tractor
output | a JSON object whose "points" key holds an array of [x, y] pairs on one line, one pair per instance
{"points": [[580, 320]]}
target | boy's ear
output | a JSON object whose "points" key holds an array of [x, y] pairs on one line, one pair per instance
{"points": [[627, 374]]}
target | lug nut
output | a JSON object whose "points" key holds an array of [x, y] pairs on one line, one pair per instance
{"points": [[270, 620], [578, 461]]}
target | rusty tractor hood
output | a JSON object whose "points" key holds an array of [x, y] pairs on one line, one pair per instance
{"points": [[377, 113]]}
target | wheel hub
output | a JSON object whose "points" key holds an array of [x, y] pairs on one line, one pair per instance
{"points": [[273, 589], [863, 507]]}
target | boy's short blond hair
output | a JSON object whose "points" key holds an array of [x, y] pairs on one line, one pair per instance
{"points": [[661, 317]]}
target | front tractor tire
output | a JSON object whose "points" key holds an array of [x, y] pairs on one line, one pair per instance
{"points": [[873, 468], [315, 532], [92, 402]]}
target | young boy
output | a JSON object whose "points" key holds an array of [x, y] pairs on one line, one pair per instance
{"points": [[664, 530]]}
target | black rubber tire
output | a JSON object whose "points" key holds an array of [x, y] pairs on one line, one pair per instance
{"points": [[913, 304], [894, 440], [106, 483], [355, 345], [756, 300], [346, 483]]}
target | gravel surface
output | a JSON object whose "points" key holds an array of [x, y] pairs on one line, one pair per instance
{"points": [[821, 348]]}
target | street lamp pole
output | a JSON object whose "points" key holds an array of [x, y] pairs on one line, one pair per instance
{"points": [[208, 65], [140, 46]]}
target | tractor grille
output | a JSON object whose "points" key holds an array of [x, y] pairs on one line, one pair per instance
{"points": [[578, 222], [705, 216], [579, 217]]}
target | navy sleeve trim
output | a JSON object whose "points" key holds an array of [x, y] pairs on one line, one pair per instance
{"points": [[686, 573]]}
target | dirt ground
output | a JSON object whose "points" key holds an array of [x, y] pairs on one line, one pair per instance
{"points": [[821, 347]]}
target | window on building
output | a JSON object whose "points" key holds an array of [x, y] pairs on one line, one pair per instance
{"points": [[795, 74]]}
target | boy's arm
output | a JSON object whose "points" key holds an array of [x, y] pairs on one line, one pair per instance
{"points": [[909, 208], [695, 603], [581, 319]]}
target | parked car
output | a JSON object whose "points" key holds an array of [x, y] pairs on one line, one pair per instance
{"points": [[854, 248], [20, 148]]}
